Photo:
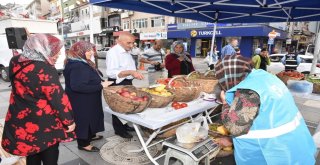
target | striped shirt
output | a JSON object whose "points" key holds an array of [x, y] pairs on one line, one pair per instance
{"points": [[153, 55]]}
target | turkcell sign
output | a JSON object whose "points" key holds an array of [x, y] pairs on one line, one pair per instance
{"points": [[206, 33]]}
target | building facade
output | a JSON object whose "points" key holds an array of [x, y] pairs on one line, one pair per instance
{"points": [[38, 9], [198, 36]]}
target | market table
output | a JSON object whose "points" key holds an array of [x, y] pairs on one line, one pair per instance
{"points": [[156, 118]]}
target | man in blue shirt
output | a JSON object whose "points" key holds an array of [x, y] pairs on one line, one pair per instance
{"points": [[229, 49]]}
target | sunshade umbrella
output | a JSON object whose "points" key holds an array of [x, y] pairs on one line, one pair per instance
{"points": [[225, 11]]}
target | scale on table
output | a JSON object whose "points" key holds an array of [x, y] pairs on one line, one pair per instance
{"points": [[190, 154]]}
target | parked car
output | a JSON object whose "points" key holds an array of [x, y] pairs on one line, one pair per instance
{"points": [[102, 53], [276, 65]]}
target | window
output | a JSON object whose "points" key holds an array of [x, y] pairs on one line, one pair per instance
{"points": [[126, 24], [157, 21], [140, 23]]}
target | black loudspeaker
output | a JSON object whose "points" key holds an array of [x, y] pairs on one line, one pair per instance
{"points": [[16, 37]]}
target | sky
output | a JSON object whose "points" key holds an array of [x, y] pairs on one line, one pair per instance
{"points": [[4, 2]]}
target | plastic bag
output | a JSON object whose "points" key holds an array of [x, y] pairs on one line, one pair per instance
{"points": [[207, 60], [193, 132], [300, 87], [316, 139]]}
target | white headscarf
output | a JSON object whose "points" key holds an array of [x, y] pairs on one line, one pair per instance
{"points": [[41, 47], [183, 53]]}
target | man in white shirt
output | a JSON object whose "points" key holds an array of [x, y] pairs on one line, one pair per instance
{"points": [[135, 52], [154, 57], [122, 70]]}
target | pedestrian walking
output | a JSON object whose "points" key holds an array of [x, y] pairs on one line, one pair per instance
{"points": [[135, 52], [230, 48]]}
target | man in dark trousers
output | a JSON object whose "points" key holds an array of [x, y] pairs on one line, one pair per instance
{"points": [[291, 60], [121, 69]]}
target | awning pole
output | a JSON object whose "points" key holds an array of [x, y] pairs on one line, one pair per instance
{"points": [[316, 52], [212, 41], [91, 23]]}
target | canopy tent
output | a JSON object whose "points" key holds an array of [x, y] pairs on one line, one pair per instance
{"points": [[225, 11], [229, 11]]}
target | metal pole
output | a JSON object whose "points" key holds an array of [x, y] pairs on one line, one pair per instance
{"points": [[61, 19], [91, 23], [316, 53], [212, 41]]}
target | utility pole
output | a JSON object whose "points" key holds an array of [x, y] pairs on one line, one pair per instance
{"points": [[316, 53], [61, 19]]}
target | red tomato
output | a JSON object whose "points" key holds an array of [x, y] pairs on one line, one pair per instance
{"points": [[177, 107], [184, 105], [174, 104]]}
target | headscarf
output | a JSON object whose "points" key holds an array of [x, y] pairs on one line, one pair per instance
{"points": [[231, 70], [257, 51], [183, 53], [41, 47], [78, 52]]}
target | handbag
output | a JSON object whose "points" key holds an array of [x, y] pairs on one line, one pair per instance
{"points": [[158, 67]]}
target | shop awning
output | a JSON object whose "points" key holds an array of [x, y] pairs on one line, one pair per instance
{"points": [[230, 11]]}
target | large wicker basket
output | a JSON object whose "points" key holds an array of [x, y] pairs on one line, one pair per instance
{"points": [[160, 101], [285, 78], [316, 88], [122, 104], [207, 84], [188, 92], [208, 75]]}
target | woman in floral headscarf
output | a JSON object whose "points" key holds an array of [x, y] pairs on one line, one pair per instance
{"points": [[39, 114], [178, 62], [83, 86], [260, 113]]}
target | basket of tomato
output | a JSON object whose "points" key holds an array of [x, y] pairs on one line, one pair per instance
{"points": [[290, 75], [184, 91]]}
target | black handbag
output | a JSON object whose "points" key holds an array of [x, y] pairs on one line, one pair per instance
{"points": [[157, 67]]}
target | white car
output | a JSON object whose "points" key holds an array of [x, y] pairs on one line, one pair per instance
{"points": [[276, 65]]}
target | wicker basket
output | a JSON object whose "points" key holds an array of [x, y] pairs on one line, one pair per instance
{"points": [[122, 104], [186, 93], [285, 78], [160, 101], [316, 88], [208, 75], [207, 84]]}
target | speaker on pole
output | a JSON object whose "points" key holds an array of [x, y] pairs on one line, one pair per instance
{"points": [[16, 37]]}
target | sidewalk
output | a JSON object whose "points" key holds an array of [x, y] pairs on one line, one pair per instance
{"points": [[70, 155]]}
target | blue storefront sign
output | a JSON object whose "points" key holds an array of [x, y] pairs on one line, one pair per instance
{"points": [[247, 34], [224, 32]]}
